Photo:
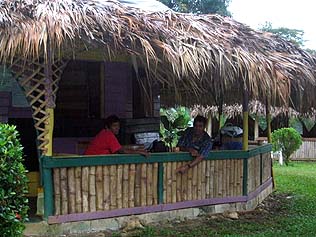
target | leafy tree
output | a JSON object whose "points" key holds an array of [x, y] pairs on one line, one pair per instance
{"points": [[199, 6], [286, 140], [293, 35]]}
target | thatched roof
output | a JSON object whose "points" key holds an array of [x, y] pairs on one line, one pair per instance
{"points": [[194, 55]]}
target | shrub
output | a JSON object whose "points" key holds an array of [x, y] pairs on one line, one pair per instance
{"points": [[13, 183], [287, 140]]}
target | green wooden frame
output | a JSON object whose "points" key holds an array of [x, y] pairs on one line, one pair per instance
{"points": [[49, 163]]}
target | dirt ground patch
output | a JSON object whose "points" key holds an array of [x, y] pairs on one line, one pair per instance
{"points": [[274, 205]]}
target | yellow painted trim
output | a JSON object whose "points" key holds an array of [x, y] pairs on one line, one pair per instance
{"points": [[50, 128], [245, 131]]}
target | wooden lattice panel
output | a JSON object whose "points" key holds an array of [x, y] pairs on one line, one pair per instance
{"points": [[39, 90]]}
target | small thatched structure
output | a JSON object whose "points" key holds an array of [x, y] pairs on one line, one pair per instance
{"points": [[199, 58], [255, 108]]}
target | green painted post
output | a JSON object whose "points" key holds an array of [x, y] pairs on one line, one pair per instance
{"points": [[160, 183], [245, 178], [48, 192], [261, 169]]}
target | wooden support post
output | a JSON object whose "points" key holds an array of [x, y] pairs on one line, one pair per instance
{"points": [[256, 127], [48, 192], [245, 119], [49, 100], [220, 113], [268, 118], [49, 126], [209, 124]]}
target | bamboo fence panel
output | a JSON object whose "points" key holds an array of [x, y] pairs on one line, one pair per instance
{"points": [[57, 194], [174, 182], [253, 173], [78, 190], [266, 163], [165, 182], [179, 183], [119, 182], [72, 190], [190, 184], [92, 192], [109, 187], [184, 184], [203, 182], [240, 177], [99, 188], [215, 178], [194, 183], [155, 183], [220, 178], [199, 180], [85, 189], [131, 185], [224, 178], [138, 184], [113, 187], [250, 185], [212, 178], [125, 186], [64, 191], [143, 186], [230, 176], [168, 182], [149, 186], [208, 178], [106, 188]]}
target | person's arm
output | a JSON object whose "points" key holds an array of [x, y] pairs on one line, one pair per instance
{"points": [[189, 165], [131, 151], [204, 151]]}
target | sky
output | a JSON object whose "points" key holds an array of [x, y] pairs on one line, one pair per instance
{"points": [[294, 14]]}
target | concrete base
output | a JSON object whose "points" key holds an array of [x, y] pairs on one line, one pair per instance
{"points": [[43, 229]]}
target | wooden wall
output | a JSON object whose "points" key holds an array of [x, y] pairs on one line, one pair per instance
{"points": [[307, 151]]}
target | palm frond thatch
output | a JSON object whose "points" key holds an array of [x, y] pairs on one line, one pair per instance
{"points": [[195, 55]]}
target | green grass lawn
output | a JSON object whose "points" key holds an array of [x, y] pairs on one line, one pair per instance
{"points": [[290, 211]]}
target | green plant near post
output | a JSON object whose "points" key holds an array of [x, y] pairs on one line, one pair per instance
{"points": [[13, 183], [286, 140], [173, 122]]}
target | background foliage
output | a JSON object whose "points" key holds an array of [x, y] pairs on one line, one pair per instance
{"points": [[199, 6]]}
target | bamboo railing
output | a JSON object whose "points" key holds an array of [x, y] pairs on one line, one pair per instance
{"points": [[104, 183]]}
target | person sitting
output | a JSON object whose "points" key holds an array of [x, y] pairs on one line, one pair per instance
{"points": [[196, 141], [106, 142]]}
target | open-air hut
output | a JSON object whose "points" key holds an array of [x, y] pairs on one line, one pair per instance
{"points": [[39, 40]]}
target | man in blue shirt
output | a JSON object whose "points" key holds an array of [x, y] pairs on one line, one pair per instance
{"points": [[196, 141]]}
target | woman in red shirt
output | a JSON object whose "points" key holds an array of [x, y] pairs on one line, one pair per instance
{"points": [[106, 142]]}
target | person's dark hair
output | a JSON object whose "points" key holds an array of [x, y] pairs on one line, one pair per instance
{"points": [[110, 120], [200, 119]]}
